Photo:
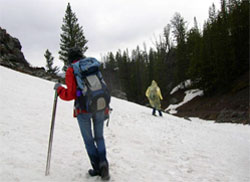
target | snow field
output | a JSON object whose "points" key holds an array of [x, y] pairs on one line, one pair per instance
{"points": [[140, 147]]}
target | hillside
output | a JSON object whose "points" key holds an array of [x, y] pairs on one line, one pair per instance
{"points": [[230, 107], [11, 56], [141, 148]]}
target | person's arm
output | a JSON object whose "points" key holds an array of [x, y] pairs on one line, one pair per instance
{"points": [[159, 93], [68, 93], [147, 92]]}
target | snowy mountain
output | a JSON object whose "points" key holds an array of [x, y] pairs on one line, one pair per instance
{"points": [[140, 147]]}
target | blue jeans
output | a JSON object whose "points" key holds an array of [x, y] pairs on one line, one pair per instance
{"points": [[94, 144]]}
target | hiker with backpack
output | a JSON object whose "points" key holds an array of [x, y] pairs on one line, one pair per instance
{"points": [[86, 86], [154, 96]]}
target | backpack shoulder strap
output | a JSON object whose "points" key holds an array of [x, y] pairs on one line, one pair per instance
{"points": [[78, 76]]}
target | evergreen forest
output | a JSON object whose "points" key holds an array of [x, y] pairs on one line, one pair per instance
{"points": [[212, 57]]}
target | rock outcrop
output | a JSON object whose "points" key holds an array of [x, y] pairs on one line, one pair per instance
{"points": [[12, 57], [10, 51]]}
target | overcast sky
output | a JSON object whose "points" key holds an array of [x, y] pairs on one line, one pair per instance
{"points": [[108, 25]]}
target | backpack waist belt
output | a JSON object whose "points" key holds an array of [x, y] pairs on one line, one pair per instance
{"points": [[79, 111]]}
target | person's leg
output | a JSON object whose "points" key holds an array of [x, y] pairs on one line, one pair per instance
{"points": [[84, 121], [99, 139], [160, 112], [153, 113], [98, 119]]}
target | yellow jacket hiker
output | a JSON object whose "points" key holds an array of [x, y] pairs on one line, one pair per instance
{"points": [[154, 96]]}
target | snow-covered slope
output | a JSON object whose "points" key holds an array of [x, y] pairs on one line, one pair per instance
{"points": [[141, 148], [190, 94]]}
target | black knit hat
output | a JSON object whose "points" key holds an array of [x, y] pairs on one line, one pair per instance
{"points": [[75, 53]]}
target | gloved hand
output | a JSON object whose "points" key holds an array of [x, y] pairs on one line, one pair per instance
{"points": [[57, 85]]}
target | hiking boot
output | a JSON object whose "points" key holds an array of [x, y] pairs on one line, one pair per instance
{"points": [[104, 171], [93, 172]]}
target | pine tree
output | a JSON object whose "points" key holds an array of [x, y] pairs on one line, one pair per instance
{"points": [[124, 71], [166, 33], [212, 14], [72, 35], [179, 31], [49, 63], [111, 63], [194, 51]]}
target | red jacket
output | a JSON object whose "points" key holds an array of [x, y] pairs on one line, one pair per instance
{"points": [[69, 93]]}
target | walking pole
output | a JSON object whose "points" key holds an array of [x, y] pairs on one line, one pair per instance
{"points": [[51, 135]]}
